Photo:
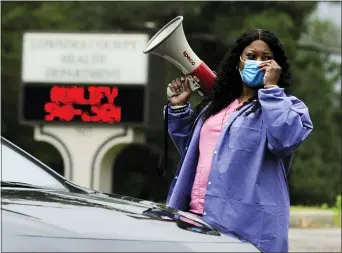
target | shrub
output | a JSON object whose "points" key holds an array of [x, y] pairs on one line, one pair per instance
{"points": [[337, 209]]}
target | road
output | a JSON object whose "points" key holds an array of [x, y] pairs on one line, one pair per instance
{"points": [[315, 240]]}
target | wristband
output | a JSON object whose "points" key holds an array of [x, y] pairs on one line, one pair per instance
{"points": [[178, 108], [174, 107]]}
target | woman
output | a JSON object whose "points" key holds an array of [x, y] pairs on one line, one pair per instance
{"points": [[236, 150]]}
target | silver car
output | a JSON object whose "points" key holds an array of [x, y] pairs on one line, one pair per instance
{"points": [[42, 211]]}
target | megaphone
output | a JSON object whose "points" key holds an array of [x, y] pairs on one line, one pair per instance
{"points": [[170, 43]]}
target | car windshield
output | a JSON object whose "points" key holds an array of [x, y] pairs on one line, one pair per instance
{"points": [[17, 168]]}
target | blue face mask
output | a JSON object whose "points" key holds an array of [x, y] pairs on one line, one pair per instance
{"points": [[251, 75]]}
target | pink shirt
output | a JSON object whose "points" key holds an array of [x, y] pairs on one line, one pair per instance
{"points": [[209, 136]]}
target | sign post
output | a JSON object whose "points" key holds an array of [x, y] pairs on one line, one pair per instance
{"points": [[85, 93]]}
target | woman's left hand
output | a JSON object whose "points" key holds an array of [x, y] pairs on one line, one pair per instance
{"points": [[272, 72]]}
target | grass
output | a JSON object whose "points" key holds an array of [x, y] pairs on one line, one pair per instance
{"points": [[336, 209], [337, 220], [310, 208]]}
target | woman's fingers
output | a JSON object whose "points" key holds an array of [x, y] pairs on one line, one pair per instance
{"points": [[177, 86], [263, 64], [171, 87], [265, 68], [186, 85]]}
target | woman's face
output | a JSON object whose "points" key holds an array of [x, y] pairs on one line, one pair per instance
{"points": [[258, 51]]}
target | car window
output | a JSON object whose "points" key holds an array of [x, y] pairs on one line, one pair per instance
{"points": [[17, 168]]}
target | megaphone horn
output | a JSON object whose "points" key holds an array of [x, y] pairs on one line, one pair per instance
{"points": [[171, 44]]}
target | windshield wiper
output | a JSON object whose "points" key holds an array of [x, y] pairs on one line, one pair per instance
{"points": [[18, 184]]}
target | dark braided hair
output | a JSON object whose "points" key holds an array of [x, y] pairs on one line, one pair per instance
{"points": [[228, 85]]}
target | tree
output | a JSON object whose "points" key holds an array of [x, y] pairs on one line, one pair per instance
{"points": [[315, 177]]}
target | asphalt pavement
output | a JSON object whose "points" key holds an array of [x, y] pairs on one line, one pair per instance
{"points": [[315, 240]]}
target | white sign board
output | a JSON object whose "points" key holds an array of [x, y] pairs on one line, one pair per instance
{"points": [[73, 58]]}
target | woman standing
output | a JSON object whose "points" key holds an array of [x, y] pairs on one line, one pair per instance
{"points": [[236, 150]]}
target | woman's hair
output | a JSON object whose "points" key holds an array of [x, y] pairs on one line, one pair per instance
{"points": [[228, 85]]}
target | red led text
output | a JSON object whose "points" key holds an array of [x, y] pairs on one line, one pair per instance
{"points": [[66, 102]]}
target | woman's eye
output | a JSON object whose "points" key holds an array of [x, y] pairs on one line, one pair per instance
{"points": [[251, 57]]}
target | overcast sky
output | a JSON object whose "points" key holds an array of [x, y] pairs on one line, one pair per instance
{"points": [[329, 10]]}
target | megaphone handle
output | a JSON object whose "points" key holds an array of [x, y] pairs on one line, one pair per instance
{"points": [[193, 87], [170, 93]]}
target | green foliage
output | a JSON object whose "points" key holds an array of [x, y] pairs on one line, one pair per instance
{"points": [[313, 179], [282, 25], [337, 209], [338, 203], [324, 206], [323, 34]]}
